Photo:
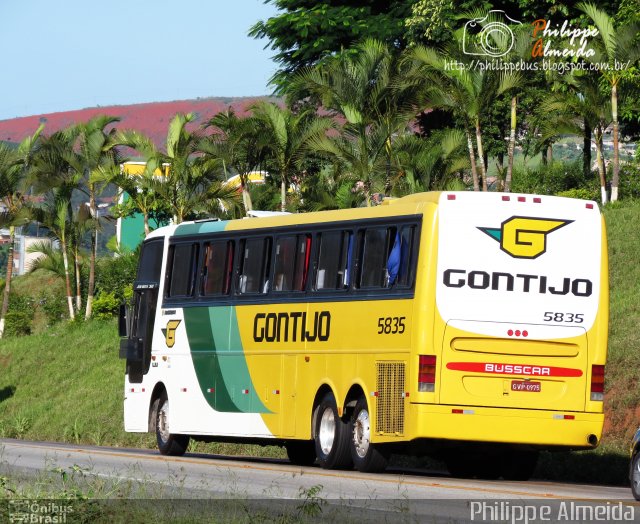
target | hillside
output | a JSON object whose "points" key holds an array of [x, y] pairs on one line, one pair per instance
{"points": [[65, 383], [151, 119]]}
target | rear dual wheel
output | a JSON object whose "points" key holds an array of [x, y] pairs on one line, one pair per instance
{"points": [[331, 436], [367, 457]]}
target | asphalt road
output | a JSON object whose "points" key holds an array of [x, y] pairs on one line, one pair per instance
{"points": [[396, 496]]}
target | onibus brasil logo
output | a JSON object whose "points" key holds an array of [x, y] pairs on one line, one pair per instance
{"points": [[524, 237]]}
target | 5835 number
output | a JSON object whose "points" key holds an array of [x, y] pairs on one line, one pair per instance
{"points": [[573, 318], [391, 325]]}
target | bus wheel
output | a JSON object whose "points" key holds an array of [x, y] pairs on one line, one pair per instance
{"points": [[519, 465], [331, 436], [366, 457], [301, 452], [168, 443]]}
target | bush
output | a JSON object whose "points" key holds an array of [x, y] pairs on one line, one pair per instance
{"points": [[54, 306], [105, 306], [113, 275], [581, 192], [629, 180], [17, 323], [555, 178]]}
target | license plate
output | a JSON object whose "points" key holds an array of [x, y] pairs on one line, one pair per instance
{"points": [[525, 385]]}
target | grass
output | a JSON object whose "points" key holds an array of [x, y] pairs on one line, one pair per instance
{"points": [[65, 383]]}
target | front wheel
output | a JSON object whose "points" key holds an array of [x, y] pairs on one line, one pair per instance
{"points": [[367, 457], [168, 443], [331, 436], [634, 477]]}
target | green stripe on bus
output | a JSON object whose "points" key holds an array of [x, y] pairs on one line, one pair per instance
{"points": [[219, 361]]}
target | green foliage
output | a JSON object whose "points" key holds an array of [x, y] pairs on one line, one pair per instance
{"points": [[114, 274], [105, 306], [53, 305], [630, 179], [553, 179], [19, 318], [579, 192]]}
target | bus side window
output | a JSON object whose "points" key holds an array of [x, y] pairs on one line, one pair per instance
{"points": [[217, 267], [402, 252], [333, 259], [183, 261], [254, 266], [375, 255], [292, 263]]}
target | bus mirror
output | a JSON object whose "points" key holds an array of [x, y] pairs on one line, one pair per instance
{"points": [[122, 321]]}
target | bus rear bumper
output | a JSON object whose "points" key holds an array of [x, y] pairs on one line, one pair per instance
{"points": [[539, 428]]}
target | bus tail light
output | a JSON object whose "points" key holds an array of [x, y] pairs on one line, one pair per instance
{"points": [[597, 382], [427, 373]]}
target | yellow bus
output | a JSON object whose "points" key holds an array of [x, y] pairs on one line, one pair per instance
{"points": [[470, 326]]}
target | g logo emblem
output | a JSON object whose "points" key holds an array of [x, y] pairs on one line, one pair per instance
{"points": [[170, 332], [524, 237]]}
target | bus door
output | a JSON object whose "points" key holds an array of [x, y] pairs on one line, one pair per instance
{"points": [[137, 320]]}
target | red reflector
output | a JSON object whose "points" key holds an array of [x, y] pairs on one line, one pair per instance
{"points": [[457, 411], [522, 199], [589, 206], [537, 200], [505, 198], [569, 417], [451, 197]]}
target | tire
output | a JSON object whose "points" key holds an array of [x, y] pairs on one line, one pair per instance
{"points": [[168, 443], [634, 476], [519, 465], [301, 452], [331, 436], [367, 457]]}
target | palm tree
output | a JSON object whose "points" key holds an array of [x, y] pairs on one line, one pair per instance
{"points": [[94, 153], [190, 185], [239, 145], [584, 111], [14, 173], [288, 136], [367, 89], [617, 47]]}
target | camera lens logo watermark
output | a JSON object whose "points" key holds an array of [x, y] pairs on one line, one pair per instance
{"points": [[489, 36]]}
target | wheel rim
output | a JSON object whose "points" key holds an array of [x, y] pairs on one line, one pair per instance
{"points": [[362, 433], [635, 477], [327, 431], [163, 421]]}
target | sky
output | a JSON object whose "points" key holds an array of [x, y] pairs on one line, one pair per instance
{"points": [[61, 55]]}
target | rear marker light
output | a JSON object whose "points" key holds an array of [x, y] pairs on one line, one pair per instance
{"points": [[518, 333], [589, 206], [597, 382], [522, 199], [451, 197], [505, 198], [427, 373], [537, 200]]}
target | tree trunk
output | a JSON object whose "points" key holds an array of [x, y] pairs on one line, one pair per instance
{"points": [[67, 278], [586, 150], [7, 285], [472, 160], [601, 168], [283, 194], [512, 146], [76, 262], [146, 224], [483, 164], [615, 179], [549, 154], [92, 257]]}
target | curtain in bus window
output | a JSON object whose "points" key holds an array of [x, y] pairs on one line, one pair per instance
{"points": [[374, 257], [406, 248], [395, 259], [303, 250], [285, 263]]}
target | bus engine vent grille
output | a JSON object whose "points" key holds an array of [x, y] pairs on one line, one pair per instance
{"points": [[391, 393]]}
